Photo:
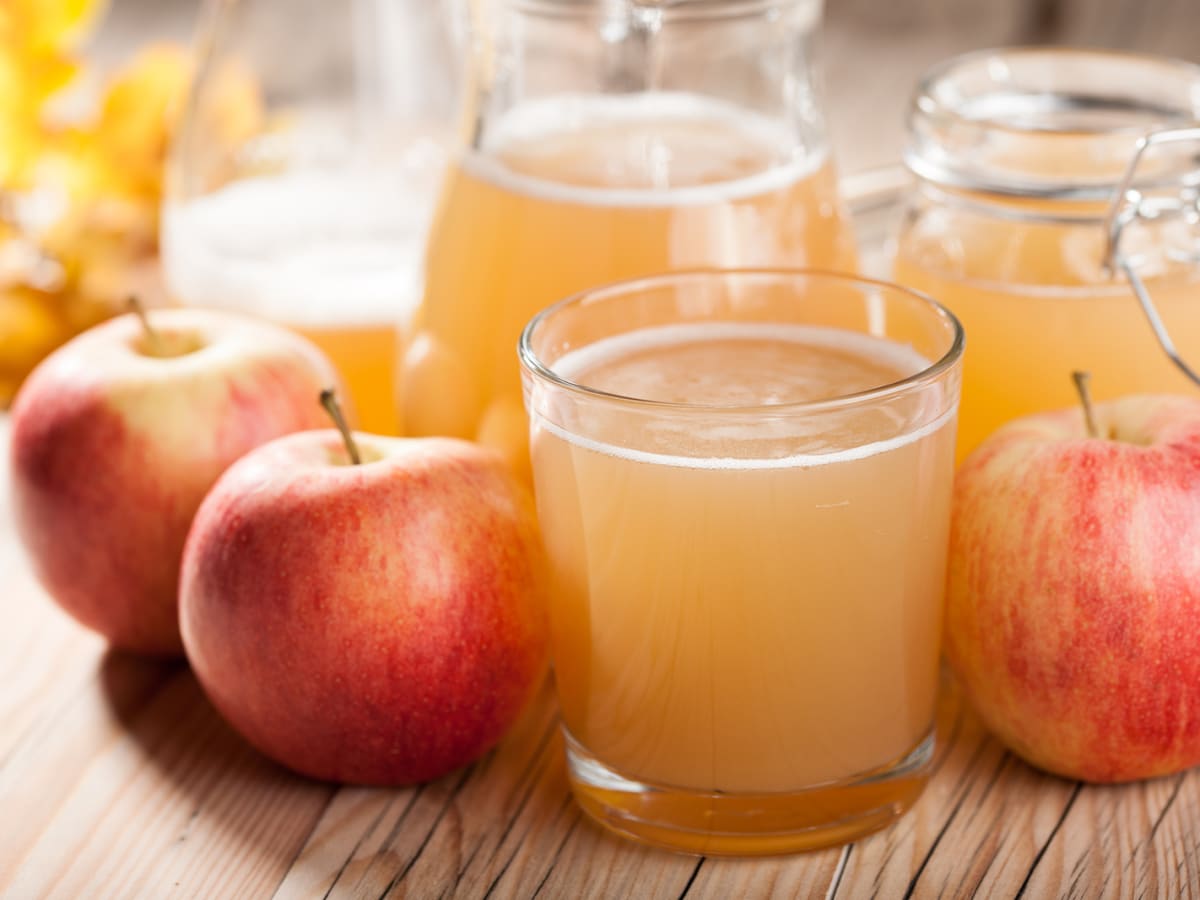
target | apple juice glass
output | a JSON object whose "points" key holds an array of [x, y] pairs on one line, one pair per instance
{"points": [[302, 180], [1019, 157], [743, 481], [610, 139]]}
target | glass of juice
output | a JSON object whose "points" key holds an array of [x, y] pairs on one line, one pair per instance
{"points": [[304, 175], [1017, 156], [609, 140], [743, 480]]}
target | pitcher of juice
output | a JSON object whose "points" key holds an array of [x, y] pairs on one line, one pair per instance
{"points": [[607, 140], [1055, 213], [305, 172]]}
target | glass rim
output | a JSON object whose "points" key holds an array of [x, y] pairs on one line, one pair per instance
{"points": [[941, 71], [928, 107], [533, 364], [668, 10]]}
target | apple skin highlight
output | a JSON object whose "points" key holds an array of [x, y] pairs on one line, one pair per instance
{"points": [[1073, 601], [374, 624], [112, 452]]}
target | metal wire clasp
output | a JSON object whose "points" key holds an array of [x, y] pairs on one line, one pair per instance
{"points": [[1129, 204]]}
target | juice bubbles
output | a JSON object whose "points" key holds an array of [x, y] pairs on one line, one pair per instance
{"points": [[333, 255], [747, 574], [578, 191]]}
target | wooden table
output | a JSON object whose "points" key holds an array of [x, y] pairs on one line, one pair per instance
{"points": [[117, 779]]}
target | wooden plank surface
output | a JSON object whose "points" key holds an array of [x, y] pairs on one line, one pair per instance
{"points": [[118, 779]]}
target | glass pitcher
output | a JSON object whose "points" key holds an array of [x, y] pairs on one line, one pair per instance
{"points": [[1053, 186], [305, 173], [609, 139]]}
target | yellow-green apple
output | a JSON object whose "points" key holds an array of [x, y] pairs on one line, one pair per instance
{"points": [[117, 437], [1073, 603], [373, 623]]}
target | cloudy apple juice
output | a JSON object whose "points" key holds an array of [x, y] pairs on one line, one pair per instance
{"points": [[1038, 304], [332, 255], [576, 191], [754, 608]]}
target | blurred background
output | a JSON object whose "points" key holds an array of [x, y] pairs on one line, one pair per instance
{"points": [[81, 178], [874, 50]]}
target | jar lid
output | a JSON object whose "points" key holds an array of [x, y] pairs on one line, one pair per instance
{"points": [[678, 9], [1055, 122]]}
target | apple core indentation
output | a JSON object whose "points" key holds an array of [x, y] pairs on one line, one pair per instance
{"points": [[169, 344], [337, 455]]}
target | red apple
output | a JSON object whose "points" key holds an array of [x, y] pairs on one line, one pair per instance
{"points": [[1073, 606], [380, 623], [117, 437]]}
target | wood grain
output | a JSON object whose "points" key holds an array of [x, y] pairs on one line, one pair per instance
{"points": [[118, 779]]}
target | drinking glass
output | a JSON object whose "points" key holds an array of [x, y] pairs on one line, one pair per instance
{"points": [[314, 212], [743, 480], [610, 139]]}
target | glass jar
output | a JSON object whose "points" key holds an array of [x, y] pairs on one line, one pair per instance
{"points": [[1019, 157], [609, 139]]}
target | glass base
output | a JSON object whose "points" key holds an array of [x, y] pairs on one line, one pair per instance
{"points": [[721, 824]]}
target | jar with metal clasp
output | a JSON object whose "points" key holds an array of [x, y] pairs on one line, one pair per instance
{"points": [[1054, 211]]}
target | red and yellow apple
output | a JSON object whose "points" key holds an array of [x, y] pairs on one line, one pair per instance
{"points": [[373, 623], [1073, 604], [119, 434]]}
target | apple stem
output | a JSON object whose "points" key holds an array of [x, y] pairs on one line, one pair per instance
{"points": [[1082, 380], [329, 400], [153, 338]]}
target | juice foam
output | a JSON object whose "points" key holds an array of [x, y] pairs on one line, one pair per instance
{"points": [[741, 367]]}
